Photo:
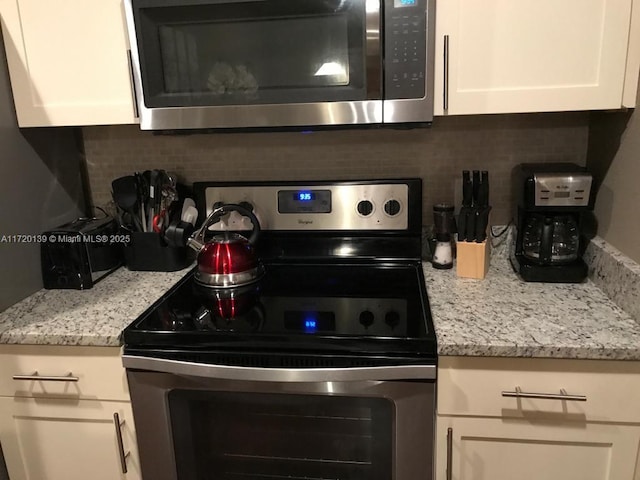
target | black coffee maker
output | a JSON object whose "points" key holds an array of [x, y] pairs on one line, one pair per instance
{"points": [[552, 204]]}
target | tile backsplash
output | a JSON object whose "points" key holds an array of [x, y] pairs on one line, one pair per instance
{"points": [[437, 154]]}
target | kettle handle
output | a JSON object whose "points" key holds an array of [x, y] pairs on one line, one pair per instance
{"points": [[218, 212]]}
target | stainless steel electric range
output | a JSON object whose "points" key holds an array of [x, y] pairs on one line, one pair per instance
{"points": [[322, 368]]}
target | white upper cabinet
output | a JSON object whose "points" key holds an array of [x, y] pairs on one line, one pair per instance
{"points": [[68, 62], [507, 56]]}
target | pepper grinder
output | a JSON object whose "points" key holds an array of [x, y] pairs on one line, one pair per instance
{"points": [[444, 226]]}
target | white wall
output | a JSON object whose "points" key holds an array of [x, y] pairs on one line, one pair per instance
{"points": [[618, 203], [41, 188]]}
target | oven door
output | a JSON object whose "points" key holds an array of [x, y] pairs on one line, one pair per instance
{"points": [[194, 427], [260, 63]]}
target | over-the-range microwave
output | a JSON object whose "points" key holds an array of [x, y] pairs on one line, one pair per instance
{"points": [[207, 64]]}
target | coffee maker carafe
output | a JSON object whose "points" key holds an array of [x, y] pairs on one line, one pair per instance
{"points": [[551, 202]]}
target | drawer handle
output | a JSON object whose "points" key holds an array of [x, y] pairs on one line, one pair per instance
{"points": [[123, 455], [449, 453], [46, 378], [563, 395]]}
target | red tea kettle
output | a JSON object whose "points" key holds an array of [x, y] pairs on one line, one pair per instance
{"points": [[229, 259]]}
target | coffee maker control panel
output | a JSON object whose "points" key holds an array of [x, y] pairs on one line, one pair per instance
{"points": [[562, 190]]}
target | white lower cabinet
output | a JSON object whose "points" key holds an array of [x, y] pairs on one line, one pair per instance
{"points": [[65, 414], [50, 439], [537, 419], [536, 449]]}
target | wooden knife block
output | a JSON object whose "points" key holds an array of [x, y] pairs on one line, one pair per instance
{"points": [[473, 259]]}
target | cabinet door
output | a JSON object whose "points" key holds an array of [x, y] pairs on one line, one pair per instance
{"points": [[531, 55], [544, 448], [68, 62], [48, 439]]}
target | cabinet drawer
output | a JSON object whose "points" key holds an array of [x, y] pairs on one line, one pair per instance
{"points": [[66, 371], [503, 387]]}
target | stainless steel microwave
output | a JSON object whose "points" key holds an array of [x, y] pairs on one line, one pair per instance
{"points": [[281, 63]]}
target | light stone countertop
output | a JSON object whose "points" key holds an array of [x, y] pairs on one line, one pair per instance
{"points": [[498, 316], [92, 317], [502, 315]]}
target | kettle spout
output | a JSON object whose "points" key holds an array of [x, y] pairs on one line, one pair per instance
{"points": [[195, 244]]}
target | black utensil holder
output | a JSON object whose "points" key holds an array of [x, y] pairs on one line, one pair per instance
{"points": [[147, 251]]}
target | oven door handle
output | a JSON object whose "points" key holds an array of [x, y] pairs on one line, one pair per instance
{"points": [[287, 375]]}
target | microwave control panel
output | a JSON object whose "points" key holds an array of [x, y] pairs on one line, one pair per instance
{"points": [[405, 48]]}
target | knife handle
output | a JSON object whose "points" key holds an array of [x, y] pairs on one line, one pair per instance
{"points": [[462, 224], [471, 224], [467, 189], [476, 187], [482, 222], [483, 190]]}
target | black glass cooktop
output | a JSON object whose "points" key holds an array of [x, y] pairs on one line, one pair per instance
{"points": [[309, 310]]}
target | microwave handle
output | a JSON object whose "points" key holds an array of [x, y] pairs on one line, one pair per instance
{"points": [[445, 82], [286, 375], [373, 51]]}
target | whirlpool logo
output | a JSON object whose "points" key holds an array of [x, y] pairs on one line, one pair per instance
{"points": [[302, 221]]}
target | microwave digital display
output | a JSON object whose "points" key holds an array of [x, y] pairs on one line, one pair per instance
{"points": [[405, 3]]}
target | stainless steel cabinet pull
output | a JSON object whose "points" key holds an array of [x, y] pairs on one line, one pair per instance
{"points": [[46, 378], [123, 455], [445, 85], [563, 395], [449, 453]]}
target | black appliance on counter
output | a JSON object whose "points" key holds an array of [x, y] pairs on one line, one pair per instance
{"points": [[323, 366], [552, 202], [78, 254]]}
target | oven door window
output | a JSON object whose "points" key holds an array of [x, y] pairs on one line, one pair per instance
{"points": [[239, 436], [251, 52]]}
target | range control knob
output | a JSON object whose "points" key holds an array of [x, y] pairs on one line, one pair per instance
{"points": [[366, 318], [392, 207], [365, 207], [392, 318]]}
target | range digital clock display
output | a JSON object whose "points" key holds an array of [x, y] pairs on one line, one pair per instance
{"points": [[303, 196], [304, 201]]}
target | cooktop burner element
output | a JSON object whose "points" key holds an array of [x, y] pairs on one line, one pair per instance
{"points": [[343, 283]]}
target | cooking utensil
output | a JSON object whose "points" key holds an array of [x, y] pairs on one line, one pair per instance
{"points": [[227, 260], [143, 195], [186, 205], [159, 222], [190, 215], [125, 196], [151, 202]]}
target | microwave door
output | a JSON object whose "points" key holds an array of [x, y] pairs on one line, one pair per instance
{"points": [[271, 63]]}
